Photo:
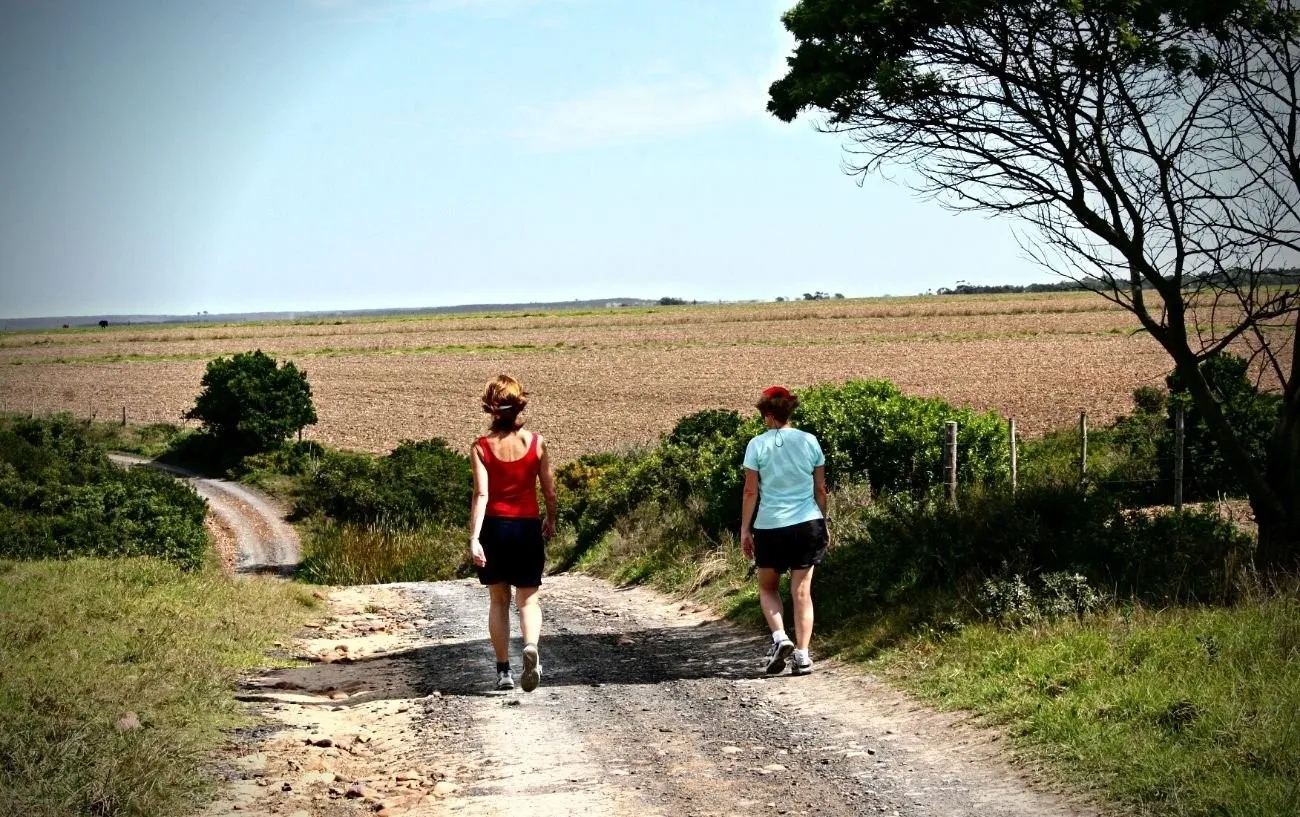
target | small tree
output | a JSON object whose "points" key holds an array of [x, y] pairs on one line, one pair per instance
{"points": [[249, 404]]}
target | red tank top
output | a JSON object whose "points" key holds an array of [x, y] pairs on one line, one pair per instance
{"points": [[512, 486]]}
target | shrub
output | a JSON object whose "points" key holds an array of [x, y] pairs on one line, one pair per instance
{"points": [[897, 546], [60, 497], [871, 432], [415, 484], [249, 404], [1253, 415]]}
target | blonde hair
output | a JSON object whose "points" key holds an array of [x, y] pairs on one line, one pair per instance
{"points": [[505, 399]]}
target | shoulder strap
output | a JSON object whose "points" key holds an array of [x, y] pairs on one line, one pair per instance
{"points": [[485, 450]]}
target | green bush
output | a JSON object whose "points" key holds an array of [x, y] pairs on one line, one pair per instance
{"points": [[871, 432], [417, 483], [60, 497], [249, 404], [1252, 414], [897, 546]]}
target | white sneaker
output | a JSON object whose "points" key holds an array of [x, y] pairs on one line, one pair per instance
{"points": [[504, 681], [802, 663], [532, 669], [777, 656]]}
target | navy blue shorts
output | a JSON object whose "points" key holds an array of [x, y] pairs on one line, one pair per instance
{"points": [[515, 552], [795, 547]]}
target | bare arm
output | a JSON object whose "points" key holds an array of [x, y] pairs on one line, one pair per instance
{"points": [[748, 502], [548, 488], [819, 487], [477, 507], [819, 495]]}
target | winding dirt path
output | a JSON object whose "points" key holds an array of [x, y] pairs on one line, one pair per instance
{"points": [[250, 531], [647, 707]]}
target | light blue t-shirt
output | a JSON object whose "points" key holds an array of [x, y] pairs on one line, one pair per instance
{"points": [[784, 459]]}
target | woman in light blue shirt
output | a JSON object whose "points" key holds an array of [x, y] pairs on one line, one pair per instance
{"points": [[785, 476]]}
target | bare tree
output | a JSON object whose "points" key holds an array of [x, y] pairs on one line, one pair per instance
{"points": [[1152, 159]]}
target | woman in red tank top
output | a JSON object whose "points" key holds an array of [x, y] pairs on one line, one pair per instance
{"points": [[507, 534]]}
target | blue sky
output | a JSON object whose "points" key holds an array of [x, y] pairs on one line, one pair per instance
{"points": [[242, 155]]}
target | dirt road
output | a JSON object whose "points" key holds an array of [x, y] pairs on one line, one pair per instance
{"points": [[647, 707], [247, 528]]}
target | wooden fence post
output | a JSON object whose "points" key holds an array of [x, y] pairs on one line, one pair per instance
{"points": [[1083, 446], [950, 463], [1178, 459], [123, 416], [1015, 460]]}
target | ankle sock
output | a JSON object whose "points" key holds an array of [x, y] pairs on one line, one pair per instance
{"points": [[503, 666], [801, 654], [779, 636]]}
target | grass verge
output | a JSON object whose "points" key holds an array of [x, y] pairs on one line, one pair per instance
{"points": [[1181, 712], [115, 680]]}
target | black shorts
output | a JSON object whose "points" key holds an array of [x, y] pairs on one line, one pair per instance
{"points": [[790, 548], [515, 552]]}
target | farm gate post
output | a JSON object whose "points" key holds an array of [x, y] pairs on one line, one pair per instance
{"points": [[1015, 460], [1178, 459], [950, 463], [1083, 447]]}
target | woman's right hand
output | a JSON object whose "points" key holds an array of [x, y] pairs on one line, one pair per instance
{"points": [[747, 544], [476, 553]]}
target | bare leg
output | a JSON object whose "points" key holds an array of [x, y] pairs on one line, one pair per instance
{"points": [[769, 598], [801, 589], [499, 621], [530, 613]]}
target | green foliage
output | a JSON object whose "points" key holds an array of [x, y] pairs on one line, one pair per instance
{"points": [[60, 497], [249, 404], [417, 483], [871, 432], [1252, 414]]}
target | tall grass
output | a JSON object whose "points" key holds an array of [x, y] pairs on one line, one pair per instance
{"points": [[85, 642], [344, 553]]}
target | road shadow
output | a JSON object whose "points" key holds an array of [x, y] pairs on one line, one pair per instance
{"points": [[467, 667]]}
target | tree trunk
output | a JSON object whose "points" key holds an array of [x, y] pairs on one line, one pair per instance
{"points": [[1279, 533], [1274, 490]]}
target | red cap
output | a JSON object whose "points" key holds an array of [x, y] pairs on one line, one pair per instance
{"points": [[777, 391]]}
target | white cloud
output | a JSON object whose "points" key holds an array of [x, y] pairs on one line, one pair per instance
{"points": [[640, 111]]}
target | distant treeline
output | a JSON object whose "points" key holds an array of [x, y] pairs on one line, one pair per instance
{"points": [[1277, 277]]}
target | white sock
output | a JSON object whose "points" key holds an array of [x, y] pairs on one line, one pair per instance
{"points": [[779, 636], [801, 654]]}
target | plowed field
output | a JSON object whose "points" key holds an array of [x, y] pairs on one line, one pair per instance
{"points": [[606, 379]]}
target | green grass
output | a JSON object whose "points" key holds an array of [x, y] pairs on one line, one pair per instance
{"points": [[1181, 712], [335, 553], [84, 642]]}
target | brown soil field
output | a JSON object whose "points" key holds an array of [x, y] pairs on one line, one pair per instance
{"points": [[603, 380]]}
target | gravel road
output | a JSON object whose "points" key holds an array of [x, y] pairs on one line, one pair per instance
{"points": [[248, 528], [650, 707]]}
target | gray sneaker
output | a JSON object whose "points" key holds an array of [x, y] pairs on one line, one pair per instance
{"points": [[504, 681], [532, 669], [801, 665], [777, 655]]}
